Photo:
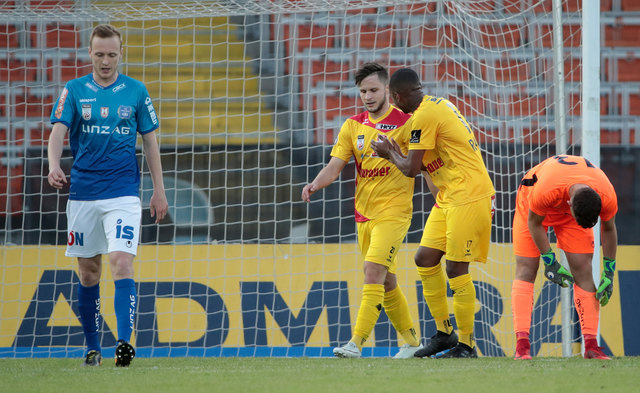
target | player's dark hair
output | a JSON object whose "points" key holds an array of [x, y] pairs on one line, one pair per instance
{"points": [[404, 79], [370, 69], [586, 205], [105, 31]]}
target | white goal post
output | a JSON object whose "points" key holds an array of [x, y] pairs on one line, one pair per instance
{"points": [[250, 96]]}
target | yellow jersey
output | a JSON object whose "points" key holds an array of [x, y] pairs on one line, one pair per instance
{"points": [[452, 155], [381, 189]]}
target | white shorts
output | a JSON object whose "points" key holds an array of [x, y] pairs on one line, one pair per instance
{"points": [[104, 226]]}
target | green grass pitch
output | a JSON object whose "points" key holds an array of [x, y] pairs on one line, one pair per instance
{"points": [[310, 375]]}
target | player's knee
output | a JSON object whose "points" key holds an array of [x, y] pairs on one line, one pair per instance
{"points": [[374, 273], [121, 266], [456, 269], [427, 257], [88, 278]]}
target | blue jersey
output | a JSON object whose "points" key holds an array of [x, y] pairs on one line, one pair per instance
{"points": [[103, 124]]}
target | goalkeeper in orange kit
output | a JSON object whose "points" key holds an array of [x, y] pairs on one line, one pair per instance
{"points": [[569, 194], [383, 208]]}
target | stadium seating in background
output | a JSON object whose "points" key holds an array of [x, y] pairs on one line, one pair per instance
{"points": [[8, 36], [370, 36], [55, 35], [324, 61], [63, 69], [622, 35], [306, 36], [49, 4], [209, 96], [629, 5], [14, 69]]}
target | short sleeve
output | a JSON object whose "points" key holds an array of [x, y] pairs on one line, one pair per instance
{"points": [[343, 147], [610, 206], [424, 130], [541, 202], [64, 111], [145, 113]]}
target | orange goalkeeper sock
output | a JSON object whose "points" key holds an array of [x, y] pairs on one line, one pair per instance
{"points": [[588, 309], [521, 306]]}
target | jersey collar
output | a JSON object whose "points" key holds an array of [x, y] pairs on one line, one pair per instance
{"points": [[99, 86], [379, 119]]}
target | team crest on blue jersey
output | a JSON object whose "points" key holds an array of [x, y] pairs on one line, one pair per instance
{"points": [[360, 142], [86, 111], [104, 111], [124, 111]]}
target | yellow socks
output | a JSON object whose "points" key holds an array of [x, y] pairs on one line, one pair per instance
{"points": [[397, 309], [434, 289], [370, 306], [464, 307]]}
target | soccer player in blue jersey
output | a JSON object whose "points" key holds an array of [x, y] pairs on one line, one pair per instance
{"points": [[103, 112]]}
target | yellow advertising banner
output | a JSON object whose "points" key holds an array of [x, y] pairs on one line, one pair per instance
{"points": [[278, 299]]}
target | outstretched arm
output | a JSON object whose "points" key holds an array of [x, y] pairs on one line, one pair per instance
{"points": [[158, 204], [389, 149], [326, 176]]}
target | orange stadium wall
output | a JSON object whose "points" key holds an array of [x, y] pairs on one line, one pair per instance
{"points": [[271, 300]]}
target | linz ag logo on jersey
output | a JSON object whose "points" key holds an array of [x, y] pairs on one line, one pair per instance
{"points": [[360, 142], [386, 127], [105, 130], [415, 136]]}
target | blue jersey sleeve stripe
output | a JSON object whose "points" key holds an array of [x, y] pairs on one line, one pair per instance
{"points": [[63, 122], [150, 130]]}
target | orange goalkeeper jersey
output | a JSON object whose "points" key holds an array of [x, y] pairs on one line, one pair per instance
{"points": [[381, 189], [556, 174], [452, 156]]}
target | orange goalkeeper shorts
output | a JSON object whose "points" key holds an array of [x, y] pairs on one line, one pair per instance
{"points": [[571, 236]]}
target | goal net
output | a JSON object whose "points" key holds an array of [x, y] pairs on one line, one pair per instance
{"points": [[251, 96]]}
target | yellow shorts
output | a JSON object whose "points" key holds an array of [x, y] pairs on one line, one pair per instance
{"points": [[380, 239], [462, 232]]}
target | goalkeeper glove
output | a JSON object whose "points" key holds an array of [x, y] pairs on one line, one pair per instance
{"points": [[605, 289], [554, 271]]}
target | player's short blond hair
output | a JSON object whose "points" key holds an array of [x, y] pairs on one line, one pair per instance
{"points": [[105, 31]]}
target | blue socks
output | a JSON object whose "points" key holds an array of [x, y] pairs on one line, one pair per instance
{"points": [[124, 302], [89, 307]]}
